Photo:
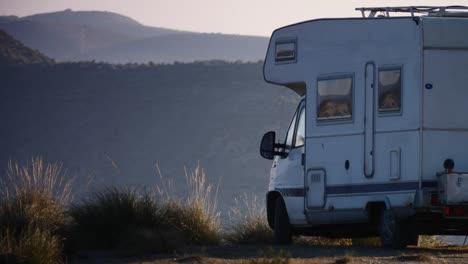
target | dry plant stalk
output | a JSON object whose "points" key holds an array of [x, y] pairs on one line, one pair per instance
{"points": [[36, 178]]}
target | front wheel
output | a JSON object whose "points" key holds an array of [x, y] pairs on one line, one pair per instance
{"points": [[282, 230]]}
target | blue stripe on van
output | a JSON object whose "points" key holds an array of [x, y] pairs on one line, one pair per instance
{"points": [[361, 188], [292, 192], [378, 187]]}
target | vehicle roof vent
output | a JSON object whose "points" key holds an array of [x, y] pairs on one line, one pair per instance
{"points": [[438, 11]]}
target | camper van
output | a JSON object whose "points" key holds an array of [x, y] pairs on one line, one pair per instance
{"points": [[378, 145]]}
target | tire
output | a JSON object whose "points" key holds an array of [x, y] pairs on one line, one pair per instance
{"points": [[282, 230], [391, 231]]}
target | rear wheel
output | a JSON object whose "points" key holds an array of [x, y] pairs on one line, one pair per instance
{"points": [[392, 230], [282, 228]]}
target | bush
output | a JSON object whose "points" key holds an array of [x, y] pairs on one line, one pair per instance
{"points": [[196, 215], [117, 218], [33, 200], [193, 222], [138, 222], [32, 246], [249, 225]]}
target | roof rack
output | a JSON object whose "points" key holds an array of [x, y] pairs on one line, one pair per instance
{"points": [[444, 11]]}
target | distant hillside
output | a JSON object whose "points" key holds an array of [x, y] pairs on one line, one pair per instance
{"points": [[110, 37], [184, 48], [14, 52], [92, 116]]}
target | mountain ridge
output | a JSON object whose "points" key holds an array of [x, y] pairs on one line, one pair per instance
{"points": [[110, 37]]}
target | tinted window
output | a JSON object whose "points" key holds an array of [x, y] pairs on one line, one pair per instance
{"points": [[300, 133], [390, 90], [335, 99]]}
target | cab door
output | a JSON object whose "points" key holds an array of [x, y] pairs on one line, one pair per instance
{"points": [[289, 169]]}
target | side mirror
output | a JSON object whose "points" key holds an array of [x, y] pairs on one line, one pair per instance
{"points": [[267, 147]]}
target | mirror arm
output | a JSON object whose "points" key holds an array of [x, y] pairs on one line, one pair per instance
{"points": [[280, 153]]}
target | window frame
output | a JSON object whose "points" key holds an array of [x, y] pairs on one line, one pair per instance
{"points": [[390, 113], [335, 121]]}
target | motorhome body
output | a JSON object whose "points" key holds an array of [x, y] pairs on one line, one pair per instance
{"points": [[383, 111]]}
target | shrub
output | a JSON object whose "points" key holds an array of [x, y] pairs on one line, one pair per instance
{"points": [[149, 222], [249, 225], [118, 218], [193, 222], [33, 201], [196, 215], [32, 245]]}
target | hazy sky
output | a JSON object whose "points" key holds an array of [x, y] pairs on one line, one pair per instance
{"points": [[253, 17]]}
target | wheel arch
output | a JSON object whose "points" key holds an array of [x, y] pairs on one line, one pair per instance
{"points": [[374, 209], [270, 206]]}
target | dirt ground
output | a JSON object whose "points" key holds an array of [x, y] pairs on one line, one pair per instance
{"points": [[298, 255]]}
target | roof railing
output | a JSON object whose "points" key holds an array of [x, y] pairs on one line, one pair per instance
{"points": [[443, 11]]}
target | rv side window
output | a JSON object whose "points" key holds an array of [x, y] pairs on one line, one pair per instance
{"points": [[335, 99], [285, 51], [389, 90]]}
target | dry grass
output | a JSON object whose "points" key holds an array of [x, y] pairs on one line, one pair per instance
{"points": [[118, 218], [196, 215], [36, 193], [431, 241], [33, 201], [271, 257], [249, 224], [345, 260], [367, 242], [424, 257], [322, 241], [136, 222], [32, 246]]}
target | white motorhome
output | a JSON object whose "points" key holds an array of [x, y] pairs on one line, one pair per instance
{"points": [[378, 145]]}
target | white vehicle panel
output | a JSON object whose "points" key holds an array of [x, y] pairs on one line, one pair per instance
{"points": [[362, 148]]}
